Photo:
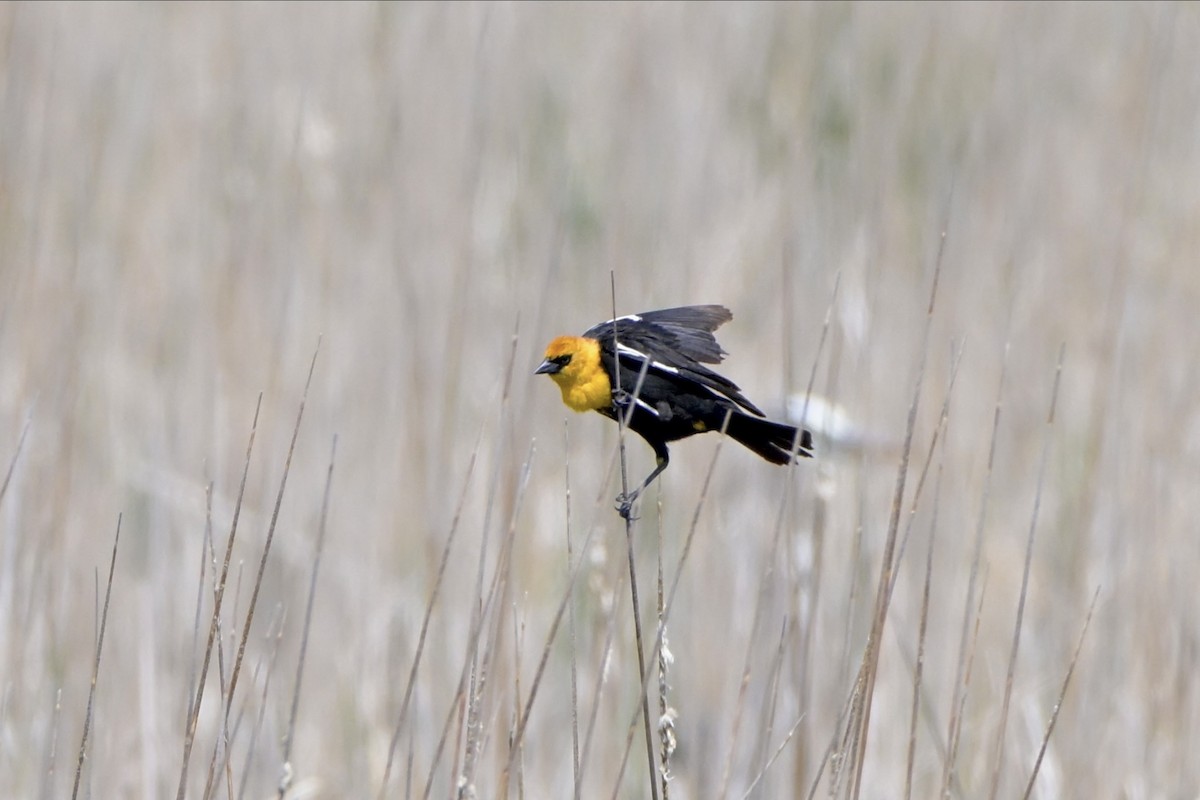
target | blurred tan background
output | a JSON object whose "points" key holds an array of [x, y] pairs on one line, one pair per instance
{"points": [[192, 195]]}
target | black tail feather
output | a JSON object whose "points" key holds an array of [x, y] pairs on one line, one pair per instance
{"points": [[774, 441]]}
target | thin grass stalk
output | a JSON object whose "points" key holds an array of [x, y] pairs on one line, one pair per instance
{"points": [[883, 596], [952, 781], [206, 547], [458, 702], [666, 714], [220, 757], [476, 734], [675, 581], [8, 564], [771, 702], [622, 423], [1061, 696], [922, 628], [479, 736], [837, 734], [847, 755], [571, 614], [87, 719], [227, 759], [289, 738], [564, 602], [801, 667], [927, 711], [958, 687], [473, 690], [408, 772], [518, 639], [939, 433], [262, 563], [285, 777], [853, 594], [484, 603], [1016, 641], [456, 786], [429, 605], [12, 464], [764, 583], [190, 735], [601, 674], [771, 555], [778, 750], [223, 686], [51, 756]]}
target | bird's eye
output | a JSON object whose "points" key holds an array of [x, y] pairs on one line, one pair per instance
{"points": [[562, 360]]}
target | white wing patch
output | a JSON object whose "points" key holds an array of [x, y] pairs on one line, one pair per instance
{"points": [[642, 403], [640, 356]]}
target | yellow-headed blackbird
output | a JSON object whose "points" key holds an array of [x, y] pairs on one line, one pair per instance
{"points": [[661, 357]]}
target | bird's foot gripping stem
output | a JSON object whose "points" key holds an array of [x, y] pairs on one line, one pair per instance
{"points": [[625, 503], [622, 400]]}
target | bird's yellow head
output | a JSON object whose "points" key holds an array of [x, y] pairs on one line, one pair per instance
{"points": [[573, 362]]}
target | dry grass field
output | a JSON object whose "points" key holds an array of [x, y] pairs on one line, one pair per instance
{"points": [[196, 198]]}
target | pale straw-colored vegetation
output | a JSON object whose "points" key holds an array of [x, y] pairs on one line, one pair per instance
{"points": [[195, 199]]}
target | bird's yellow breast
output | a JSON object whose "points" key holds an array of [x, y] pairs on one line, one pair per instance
{"points": [[583, 382]]}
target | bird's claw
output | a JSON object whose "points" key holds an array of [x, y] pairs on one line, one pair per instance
{"points": [[625, 506], [622, 399]]}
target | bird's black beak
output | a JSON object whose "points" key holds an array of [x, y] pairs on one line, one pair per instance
{"points": [[548, 367]]}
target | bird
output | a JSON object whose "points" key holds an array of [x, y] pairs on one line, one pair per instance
{"points": [[649, 368]]}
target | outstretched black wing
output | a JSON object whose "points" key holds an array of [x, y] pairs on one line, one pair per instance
{"points": [[676, 342]]}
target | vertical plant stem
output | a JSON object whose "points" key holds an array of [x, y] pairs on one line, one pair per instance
{"points": [[308, 612], [623, 421], [87, 720], [1017, 625]]}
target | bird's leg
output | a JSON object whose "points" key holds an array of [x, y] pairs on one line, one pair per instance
{"points": [[625, 501]]}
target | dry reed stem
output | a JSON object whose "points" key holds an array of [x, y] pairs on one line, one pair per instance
{"points": [[223, 686], [563, 604], [1017, 625], [601, 675], [666, 714], [474, 672], [262, 563], [759, 752], [518, 749], [883, 593], [87, 719], [658, 639], [939, 433], [429, 605], [828, 755], [774, 680], [262, 568], [771, 555], [206, 548], [1061, 696], [47, 788], [571, 614], [190, 734], [12, 464], [922, 628], [477, 735], [778, 750], [251, 747], [289, 738], [622, 423], [959, 686], [484, 603]]}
